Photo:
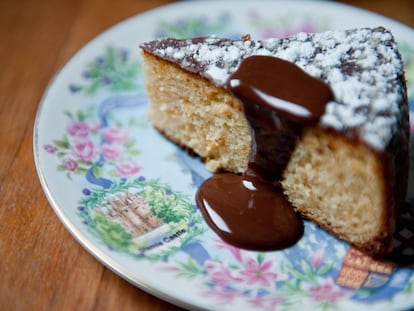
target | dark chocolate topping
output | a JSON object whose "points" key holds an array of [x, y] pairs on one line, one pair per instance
{"points": [[289, 91], [251, 211]]}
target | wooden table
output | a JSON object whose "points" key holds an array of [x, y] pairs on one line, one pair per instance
{"points": [[42, 266]]}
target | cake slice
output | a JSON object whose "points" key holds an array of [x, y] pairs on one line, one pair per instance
{"points": [[348, 172]]}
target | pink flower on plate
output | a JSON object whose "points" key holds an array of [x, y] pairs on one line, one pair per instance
{"points": [[266, 302], [111, 151], [94, 126], [223, 295], [259, 272], [78, 129], [84, 150], [307, 27], [50, 148], [127, 168], [326, 292], [235, 251], [318, 258], [115, 135], [219, 274], [70, 164], [284, 32]]}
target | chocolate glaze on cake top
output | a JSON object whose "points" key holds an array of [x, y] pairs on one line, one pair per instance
{"points": [[362, 67]]}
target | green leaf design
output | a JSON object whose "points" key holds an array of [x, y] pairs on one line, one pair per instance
{"points": [[130, 143], [113, 70], [68, 114], [192, 26], [189, 269], [60, 154], [306, 268], [81, 115], [97, 170], [112, 233], [134, 152], [81, 170], [260, 257], [325, 268], [62, 143]]}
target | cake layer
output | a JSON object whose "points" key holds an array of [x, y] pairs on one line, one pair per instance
{"points": [[197, 115], [344, 187]]}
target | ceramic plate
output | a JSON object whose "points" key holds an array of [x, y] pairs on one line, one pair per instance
{"points": [[127, 194]]}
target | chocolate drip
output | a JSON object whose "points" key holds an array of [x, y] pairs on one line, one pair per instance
{"points": [[273, 141], [278, 99]]}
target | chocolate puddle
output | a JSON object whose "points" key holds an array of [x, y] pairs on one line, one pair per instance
{"points": [[250, 210]]}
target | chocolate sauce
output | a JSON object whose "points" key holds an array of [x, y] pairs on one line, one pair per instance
{"points": [[250, 210]]}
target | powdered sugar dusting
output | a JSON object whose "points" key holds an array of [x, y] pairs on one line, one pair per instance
{"points": [[361, 66]]}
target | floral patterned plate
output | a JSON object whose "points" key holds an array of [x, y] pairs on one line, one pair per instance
{"points": [[127, 194]]}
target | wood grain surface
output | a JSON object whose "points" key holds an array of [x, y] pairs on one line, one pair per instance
{"points": [[42, 266]]}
